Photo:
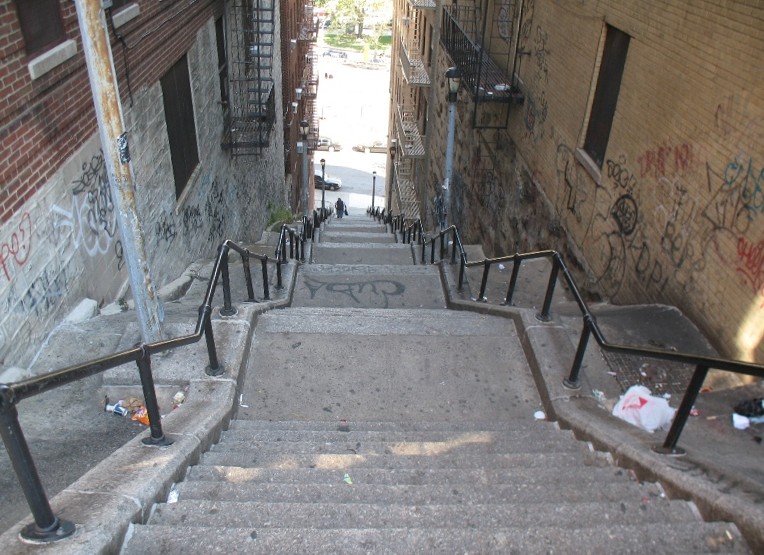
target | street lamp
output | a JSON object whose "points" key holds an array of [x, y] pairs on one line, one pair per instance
{"points": [[453, 78], [304, 128], [373, 189], [393, 148], [323, 185]]}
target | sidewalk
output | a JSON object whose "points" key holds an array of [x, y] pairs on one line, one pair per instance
{"points": [[721, 473]]}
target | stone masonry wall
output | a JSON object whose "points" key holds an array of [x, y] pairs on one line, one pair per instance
{"points": [[63, 243]]}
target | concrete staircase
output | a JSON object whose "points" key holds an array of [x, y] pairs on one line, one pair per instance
{"points": [[372, 419]]}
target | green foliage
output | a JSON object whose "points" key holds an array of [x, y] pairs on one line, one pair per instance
{"points": [[352, 42], [279, 214]]}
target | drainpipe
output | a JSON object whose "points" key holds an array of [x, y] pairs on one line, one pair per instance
{"points": [[111, 128]]}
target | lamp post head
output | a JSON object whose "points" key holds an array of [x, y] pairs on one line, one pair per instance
{"points": [[304, 128], [323, 164], [453, 79], [393, 148]]}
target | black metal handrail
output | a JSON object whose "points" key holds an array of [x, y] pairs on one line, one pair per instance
{"points": [[702, 363], [46, 526]]}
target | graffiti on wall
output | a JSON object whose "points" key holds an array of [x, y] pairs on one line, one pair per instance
{"points": [[666, 160], [91, 223], [214, 210], [15, 251], [42, 296], [165, 228]]}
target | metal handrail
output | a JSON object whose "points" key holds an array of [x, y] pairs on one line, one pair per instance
{"points": [[702, 363], [47, 527]]}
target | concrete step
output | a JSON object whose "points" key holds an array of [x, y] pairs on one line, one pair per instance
{"points": [[667, 538], [461, 492], [222, 513], [407, 322], [368, 286], [349, 237], [378, 254], [412, 426]]}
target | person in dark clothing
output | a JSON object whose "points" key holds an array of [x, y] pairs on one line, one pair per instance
{"points": [[340, 206]]}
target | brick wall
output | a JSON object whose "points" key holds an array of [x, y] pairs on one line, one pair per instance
{"points": [[59, 240], [676, 214]]}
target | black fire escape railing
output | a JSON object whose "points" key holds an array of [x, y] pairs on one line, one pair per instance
{"points": [[702, 363], [47, 527]]}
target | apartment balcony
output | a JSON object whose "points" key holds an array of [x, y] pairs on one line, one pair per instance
{"points": [[481, 75], [423, 4], [407, 130], [414, 70]]}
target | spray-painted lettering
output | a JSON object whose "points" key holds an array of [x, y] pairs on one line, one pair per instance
{"points": [[666, 160], [16, 250]]}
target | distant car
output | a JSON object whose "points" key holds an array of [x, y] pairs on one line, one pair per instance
{"points": [[335, 53], [330, 183], [374, 146], [325, 143]]}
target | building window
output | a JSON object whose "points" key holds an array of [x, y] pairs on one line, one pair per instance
{"points": [[41, 24], [222, 62], [181, 129], [117, 4], [606, 94]]}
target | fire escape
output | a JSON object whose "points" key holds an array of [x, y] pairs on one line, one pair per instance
{"points": [[478, 39], [251, 111], [309, 80], [416, 73]]}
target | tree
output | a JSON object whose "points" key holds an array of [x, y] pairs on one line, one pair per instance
{"points": [[354, 12]]}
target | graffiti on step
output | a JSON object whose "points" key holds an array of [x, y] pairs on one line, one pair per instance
{"points": [[380, 288]]}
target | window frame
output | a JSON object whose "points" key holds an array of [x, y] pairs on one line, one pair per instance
{"points": [[181, 123], [41, 25], [606, 92]]}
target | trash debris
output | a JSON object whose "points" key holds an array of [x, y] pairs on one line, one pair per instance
{"points": [[639, 407], [116, 408], [343, 426], [740, 422], [346, 478], [172, 497], [241, 401], [751, 407], [539, 415], [178, 399], [501, 266], [599, 396], [141, 415], [694, 411]]}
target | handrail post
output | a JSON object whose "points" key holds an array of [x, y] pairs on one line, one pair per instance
{"points": [[215, 368], [442, 245], [484, 282], [432, 250], [462, 265], [423, 240], [46, 526], [291, 244], [516, 261], [266, 290], [571, 382], [453, 247], [150, 397], [544, 315], [279, 284], [248, 276], [683, 412], [302, 249], [227, 309]]}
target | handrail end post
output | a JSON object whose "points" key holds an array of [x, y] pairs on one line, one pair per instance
{"points": [[570, 384], [162, 441], [669, 451], [215, 372], [60, 530]]}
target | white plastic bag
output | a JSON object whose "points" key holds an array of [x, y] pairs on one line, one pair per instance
{"points": [[638, 407]]}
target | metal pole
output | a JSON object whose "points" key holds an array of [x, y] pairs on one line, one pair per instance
{"points": [[305, 178], [323, 189], [373, 189], [103, 84], [449, 159]]}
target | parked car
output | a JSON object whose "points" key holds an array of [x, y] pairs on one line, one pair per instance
{"points": [[374, 146], [332, 53], [330, 183], [325, 143]]}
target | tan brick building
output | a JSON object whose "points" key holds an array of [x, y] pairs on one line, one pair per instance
{"points": [[629, 136]]}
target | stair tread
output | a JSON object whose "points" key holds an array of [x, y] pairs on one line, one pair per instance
{"points": [[667, 538], [569, 488], [582, 514]]}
